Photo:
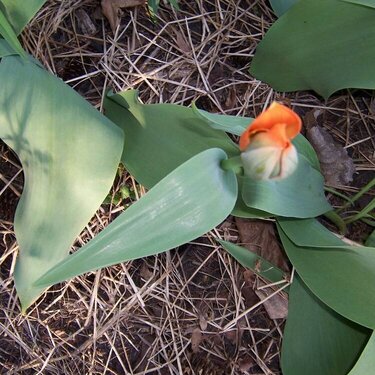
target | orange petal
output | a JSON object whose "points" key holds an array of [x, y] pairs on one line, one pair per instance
{"points": [[275, 114]]}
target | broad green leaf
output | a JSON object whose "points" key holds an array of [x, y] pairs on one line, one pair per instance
{"points": [[366, 362], [300, 195], [69, 153], [367, 3], [323, 45], [6, 49], [304, 148], [342, 276], [281, 6], [253, 261], [187, 203], [230, 124], [8, 34], [160, 137], [318, 341], [20, 12], [241, 210]]}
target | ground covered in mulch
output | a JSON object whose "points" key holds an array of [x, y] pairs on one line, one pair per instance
{"points": [[193, 310]]}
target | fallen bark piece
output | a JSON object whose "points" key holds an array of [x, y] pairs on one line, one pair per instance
{"points": [[336, 165]]}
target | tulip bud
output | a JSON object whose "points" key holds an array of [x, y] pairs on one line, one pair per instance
{"points": [[267, 150]]}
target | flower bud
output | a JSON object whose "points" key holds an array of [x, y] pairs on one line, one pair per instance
{"points": [[267, 150]]}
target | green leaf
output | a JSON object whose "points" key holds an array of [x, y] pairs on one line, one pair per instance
{"points": [[304, 148], [300, 195], [230, 124], [8, 34], [371, 239], [367, 3], [323, 45], [281, 6], [160, 137], [20, 12], [190, 201], [241, 210], [174, 4], [69, 153], [366, 362], [318, 341], [342, 276], [153, 7], [6, 49], [253, 261]]}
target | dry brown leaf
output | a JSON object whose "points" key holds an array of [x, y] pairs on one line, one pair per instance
{"points": [[231, 100], [145, 272], [277, 305], [247, 289], [259, 237], [111, 8], [196, 339], [246, 363], [337, 167], [203, 322], [181, 42]]}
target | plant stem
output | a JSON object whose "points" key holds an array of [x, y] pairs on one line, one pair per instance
{"points": [[362, 213], [233, 164], [364, 190], [337, 220]]}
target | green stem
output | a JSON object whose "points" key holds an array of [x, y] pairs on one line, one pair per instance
{"points": [[337, 220], [343, 196], [364, 190], [233, 164], [362, 213]]}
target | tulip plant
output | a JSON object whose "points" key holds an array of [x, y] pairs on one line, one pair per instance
{"points": [[196, 176]]}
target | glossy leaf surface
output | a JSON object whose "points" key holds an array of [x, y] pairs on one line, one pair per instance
{"points": [[187, 203], [160, 137], [342, 276], [323, 45], [57, 136], [317, 340]]}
